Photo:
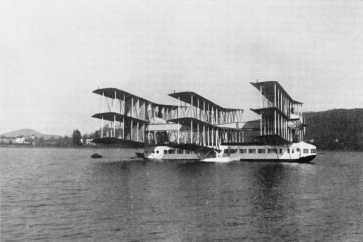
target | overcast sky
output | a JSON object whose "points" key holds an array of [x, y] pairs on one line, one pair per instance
{"points": [[53, 54]]}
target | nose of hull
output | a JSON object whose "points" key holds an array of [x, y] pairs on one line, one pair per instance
{"points": [[307, 159]]}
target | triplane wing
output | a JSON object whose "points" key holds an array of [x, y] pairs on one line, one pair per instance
{"points": [[280, 115], [117, 141], [128, 116]]}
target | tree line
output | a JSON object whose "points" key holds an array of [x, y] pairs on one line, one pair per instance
{"points": [[75, 140], [338, 129]]}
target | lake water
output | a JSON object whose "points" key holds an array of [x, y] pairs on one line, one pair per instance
{"points": [[64, 195]]}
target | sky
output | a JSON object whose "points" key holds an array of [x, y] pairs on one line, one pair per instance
{"points": [[53, 54]]}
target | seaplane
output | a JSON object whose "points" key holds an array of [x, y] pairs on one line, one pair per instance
{"points": [[198, 129]]}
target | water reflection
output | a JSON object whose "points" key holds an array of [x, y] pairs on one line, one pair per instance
{"points": [[178, 197], [196, 201], [115, 194], [274, 201]]}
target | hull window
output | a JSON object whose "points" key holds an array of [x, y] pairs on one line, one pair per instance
{"points": [[313, 151], [243, 151], [272, 150], [251, 151], [306, 151], [261, 151]]}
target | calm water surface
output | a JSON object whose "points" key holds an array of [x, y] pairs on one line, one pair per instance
{"points": [[64, 195]]}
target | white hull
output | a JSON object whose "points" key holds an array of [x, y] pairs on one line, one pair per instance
{"points": [[295, 152], [163, 153]]}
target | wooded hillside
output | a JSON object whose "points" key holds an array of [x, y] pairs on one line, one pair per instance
{"points": [[336, 129]]}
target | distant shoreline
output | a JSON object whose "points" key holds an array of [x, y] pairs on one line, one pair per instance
{"points": [[60, 147], [43, 146]]}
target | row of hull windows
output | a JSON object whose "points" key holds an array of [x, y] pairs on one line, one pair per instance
{"points": [[171, 151], [263, 151], [233, 151]]}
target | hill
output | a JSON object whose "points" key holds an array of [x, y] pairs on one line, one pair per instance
{"points": [[336, 129], [28, 132]]}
